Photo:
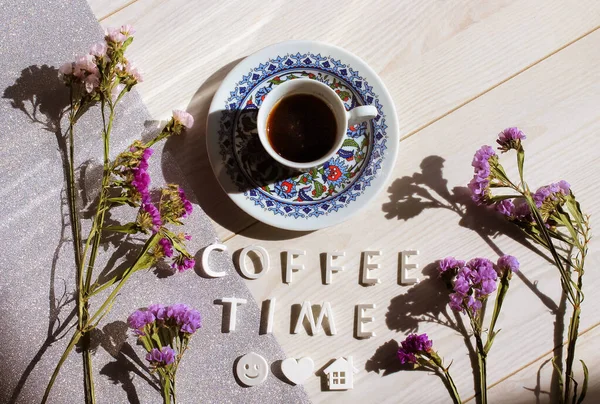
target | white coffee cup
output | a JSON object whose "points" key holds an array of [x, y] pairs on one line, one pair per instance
{"points": [[325, 93]]}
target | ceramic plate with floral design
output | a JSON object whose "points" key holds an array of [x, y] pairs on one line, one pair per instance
{"points": [[274, 194]]}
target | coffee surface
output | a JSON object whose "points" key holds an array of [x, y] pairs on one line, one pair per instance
{"points": [[301, 128]]}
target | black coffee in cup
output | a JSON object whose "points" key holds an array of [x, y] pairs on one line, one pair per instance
{"points": [[301, 128]]}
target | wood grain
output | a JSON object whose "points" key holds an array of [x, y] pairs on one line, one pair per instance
{"points": [[434, 56], [103, 9], [458, 72], [426, 208], [533, 381]]}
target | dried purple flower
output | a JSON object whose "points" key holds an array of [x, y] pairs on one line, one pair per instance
{"points": [[163, 357], [506, 207], [158, 310], [413, 345], [481, 161], [187, 205], [154, 215], [523, 212], [175, 311], [144, 160], [507, 262], [480, 184], [552, 192], [510, 138], [166, 247], [406, 357], [487, 287], [473, 304], [450, 263], [456, 301], [564, 187], [482, 268], [462, 285], [183, 263], [141, 183], [190, 321], [139, 319], [472, 284]]}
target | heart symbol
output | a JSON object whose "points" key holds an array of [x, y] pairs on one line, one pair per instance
{"points": [[297, 371]]}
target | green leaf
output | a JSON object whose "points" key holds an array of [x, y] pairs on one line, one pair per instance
{"points": [[145, 260], [561, 382], [129, 228], [498, 198], [318, 189], [145, 340], [520, 162], [350, 143], [585, 383], [127, 42], [156, 338], [176, 244]]}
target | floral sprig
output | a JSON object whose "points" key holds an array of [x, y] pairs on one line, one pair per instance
{"points": [[418, 350], [104, 73], [552, 217], [165, 332], [471, 283], [104, 76]]}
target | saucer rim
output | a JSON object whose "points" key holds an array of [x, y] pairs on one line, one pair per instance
{"points": [[316, 223]]}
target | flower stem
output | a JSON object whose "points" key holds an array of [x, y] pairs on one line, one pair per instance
{"points": [[64, 356], [100, 211], [173, 390], [90, 393], [502, 289], [481, 357], [88, 324], [166, 390], [71, 185], [572, 342], [482, 361], [452, 387], [136, 265], [95, 235]]}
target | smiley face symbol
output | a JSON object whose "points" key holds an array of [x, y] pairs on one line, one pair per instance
{"points": [[252, 369]]}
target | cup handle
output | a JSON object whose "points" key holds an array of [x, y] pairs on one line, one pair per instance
{"points": [[361, 114]]}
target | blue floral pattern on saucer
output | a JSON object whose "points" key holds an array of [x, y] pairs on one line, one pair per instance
{"points": [[276, 188]]}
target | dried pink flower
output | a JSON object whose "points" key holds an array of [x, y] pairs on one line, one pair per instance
{"points": [[127, 30], [183, 118], [134, 72], [115, 35], [66, 69], [98, 49]]}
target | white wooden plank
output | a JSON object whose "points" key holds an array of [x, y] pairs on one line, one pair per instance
{"points": [[555, 103], [534, 381], [104, 8], [433, 55]]}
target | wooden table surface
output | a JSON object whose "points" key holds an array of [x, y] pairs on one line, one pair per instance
{"points": [[459, 72]]}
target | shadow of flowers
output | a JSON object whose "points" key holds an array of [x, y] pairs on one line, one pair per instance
{"points": [[43, 98], [113, 339], [427, 301]]}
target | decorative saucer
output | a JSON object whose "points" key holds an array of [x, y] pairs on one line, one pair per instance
{"points": [[325, 195]]}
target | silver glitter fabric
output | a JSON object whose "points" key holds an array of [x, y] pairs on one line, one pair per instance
{"points": [[36, 266]]}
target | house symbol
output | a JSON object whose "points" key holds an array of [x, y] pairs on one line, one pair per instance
{"points": [[340, 374]]}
